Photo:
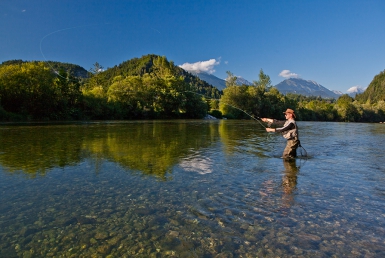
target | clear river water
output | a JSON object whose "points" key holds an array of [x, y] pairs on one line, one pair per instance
{"points": [[190, 188]]}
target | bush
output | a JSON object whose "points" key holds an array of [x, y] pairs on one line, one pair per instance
{"points": [[216, 113]]}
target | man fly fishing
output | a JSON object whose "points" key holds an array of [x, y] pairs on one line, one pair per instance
{"points": [[289, 131]]}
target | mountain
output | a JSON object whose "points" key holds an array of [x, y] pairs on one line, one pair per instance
{"points": [[218, 83], [242, 81], [353, 91], [304, 87], [155, 66], [338, 92]]}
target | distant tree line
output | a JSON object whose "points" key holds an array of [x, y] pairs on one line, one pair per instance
{"points": [[151, 87], [32, 91], [263, 100]]}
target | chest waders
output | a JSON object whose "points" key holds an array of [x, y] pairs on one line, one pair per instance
{"points": [[293, 142]]}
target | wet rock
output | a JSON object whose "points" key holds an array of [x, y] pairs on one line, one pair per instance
{"points": [[114, 241], [225, 254], [67, 222], [244, 226], [184, 245], [101, 235], [144, 211], [85, 220], [85, 238], [104, 249], [27, 254], [174, 222], [26, 231], [172, 233], [309, 237], [170, 243], [159, 220]]}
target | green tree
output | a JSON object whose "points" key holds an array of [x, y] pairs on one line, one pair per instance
{"points": [[375, 91], [28, 89], [264, 81], [346, 110], [68, 96], [96, 69], [231, 79], [129, 94]]}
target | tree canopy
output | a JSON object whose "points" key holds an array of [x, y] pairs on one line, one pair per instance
{"points": [[375, 91], [152, 87]]}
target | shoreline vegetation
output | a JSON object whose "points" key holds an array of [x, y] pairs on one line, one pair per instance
{"points": [[151, 87]]}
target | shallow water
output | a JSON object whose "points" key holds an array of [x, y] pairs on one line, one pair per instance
{"points": [[190, 189]]}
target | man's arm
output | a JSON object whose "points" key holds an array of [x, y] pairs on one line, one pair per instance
{"points": [[273, 121], [288, 127]]}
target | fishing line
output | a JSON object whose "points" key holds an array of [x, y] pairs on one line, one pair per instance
{"points": [[60, 30], [301, 149], [304, 153], [302, 158], [256, 118]]}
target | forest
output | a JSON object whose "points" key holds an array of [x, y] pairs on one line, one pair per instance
{"points": [[151, 87]]}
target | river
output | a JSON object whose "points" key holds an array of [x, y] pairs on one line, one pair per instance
{"points": [[190, 188]]}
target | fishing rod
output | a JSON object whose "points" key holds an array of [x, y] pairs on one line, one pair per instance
{"points": [[256, 118]]}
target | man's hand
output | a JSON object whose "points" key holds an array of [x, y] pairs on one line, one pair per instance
{"points": [[267, 120]]}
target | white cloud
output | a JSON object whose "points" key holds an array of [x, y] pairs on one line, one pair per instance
{"points": [[23, 11], [288, 74], [202, 66]]}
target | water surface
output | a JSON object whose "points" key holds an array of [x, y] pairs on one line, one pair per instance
{"points": [[190, 189]]}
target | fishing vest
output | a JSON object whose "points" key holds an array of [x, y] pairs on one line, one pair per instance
{"points": [[291, 134]]}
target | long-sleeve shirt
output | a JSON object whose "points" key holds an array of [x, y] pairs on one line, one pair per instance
{"points": [[289, 129], [287, 125]]}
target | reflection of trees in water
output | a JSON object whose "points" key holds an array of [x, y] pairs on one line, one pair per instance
{"points": [[151, 148], [34, 150], [234, 135]]}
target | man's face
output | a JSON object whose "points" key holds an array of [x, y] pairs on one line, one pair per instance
{"points": [[288, 115]]}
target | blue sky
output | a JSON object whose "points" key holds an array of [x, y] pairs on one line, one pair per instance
{"points": [[339, 44]]}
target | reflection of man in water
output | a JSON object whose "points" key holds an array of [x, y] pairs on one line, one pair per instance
{"points": [[289, 181], [289, 131]]}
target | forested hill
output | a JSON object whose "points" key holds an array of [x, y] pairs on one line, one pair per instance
{"points": [[151, 87], [375, 91], [71, 69], [155, 66]]}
